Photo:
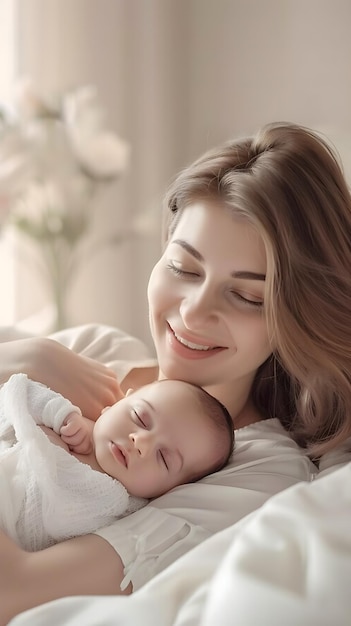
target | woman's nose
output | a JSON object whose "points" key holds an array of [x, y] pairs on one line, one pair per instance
{"points": [[198, 308]]}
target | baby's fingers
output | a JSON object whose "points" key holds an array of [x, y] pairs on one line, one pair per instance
{"points": [[82, 447], [72, 440], [69, 429], [78, 442]]}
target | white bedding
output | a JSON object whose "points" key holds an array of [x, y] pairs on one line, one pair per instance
{"points": [[287, 563]]}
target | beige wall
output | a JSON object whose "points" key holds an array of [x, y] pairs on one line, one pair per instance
{"points": [[178, 76]]}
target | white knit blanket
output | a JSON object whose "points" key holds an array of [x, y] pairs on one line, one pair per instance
{"points": [[46, 494]]}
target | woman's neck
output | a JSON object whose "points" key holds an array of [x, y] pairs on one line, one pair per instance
{"points": [[138, 377], [238, 403]]}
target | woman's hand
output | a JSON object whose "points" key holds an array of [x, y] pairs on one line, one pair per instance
{"points": [[84, 381]]}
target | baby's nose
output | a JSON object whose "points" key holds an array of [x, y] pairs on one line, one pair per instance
{"points": [[142, 442]]}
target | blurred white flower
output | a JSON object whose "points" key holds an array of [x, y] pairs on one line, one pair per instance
{"points": [[15, 166], [82, 109], [101, 155], [5, 207], [100, 152], [15, 170], [56, 153], [28, 103], [42, 212]]}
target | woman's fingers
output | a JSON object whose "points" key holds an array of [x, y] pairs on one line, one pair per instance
{"points": [[84, 381], [90, 385]]}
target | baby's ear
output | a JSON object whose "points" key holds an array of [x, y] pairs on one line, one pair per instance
{"points": [[129, 391]]}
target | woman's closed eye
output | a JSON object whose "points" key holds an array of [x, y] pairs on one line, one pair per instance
{"points": [[246, 301], [178, 271]]}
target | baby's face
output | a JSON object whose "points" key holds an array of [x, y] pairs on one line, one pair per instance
{"points": [[155, 438]]}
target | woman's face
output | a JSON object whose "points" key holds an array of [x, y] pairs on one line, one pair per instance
{"points": [[206, 299]]}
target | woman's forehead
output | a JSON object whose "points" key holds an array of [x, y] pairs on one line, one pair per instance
{"points": [[217, 231]]}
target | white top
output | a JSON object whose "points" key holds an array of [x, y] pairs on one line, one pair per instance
{"points": [[266, 461], [48, 495]]}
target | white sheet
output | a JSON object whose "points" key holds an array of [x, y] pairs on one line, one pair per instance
{"points": [[289, 563]]}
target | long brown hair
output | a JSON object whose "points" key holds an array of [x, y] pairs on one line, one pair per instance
{"points": [[287, 181]]}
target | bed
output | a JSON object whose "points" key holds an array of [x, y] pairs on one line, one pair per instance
{"points": [[288, 562]]}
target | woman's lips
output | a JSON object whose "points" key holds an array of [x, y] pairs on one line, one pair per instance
{"points": [[191, 344], [191, 349], [119, 454]]}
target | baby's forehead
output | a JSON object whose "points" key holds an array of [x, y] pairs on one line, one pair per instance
{"points": [[172, 395]]}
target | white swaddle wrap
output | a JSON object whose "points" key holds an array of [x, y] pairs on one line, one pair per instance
{"points": [[46, 494]]}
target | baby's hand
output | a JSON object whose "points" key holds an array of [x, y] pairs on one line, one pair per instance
{"points": [[76, 432]]}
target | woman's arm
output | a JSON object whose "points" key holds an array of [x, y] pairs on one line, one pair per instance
{"points": [[85, 565], [84, 381]]}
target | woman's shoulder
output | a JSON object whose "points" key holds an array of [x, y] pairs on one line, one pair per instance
{"points": [[265, 453], [265, 460], [266, 432]]}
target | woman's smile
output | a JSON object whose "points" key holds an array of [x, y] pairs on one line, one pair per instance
{"points": [[191, 349]]}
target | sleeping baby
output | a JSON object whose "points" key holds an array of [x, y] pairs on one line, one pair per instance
{"points": [[63, 475]]}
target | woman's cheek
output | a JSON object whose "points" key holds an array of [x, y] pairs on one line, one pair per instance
{"points": [[157, 286]]}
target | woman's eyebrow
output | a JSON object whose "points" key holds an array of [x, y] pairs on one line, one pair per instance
{"points": [[189, 248], [196, 254], [249, 275]]}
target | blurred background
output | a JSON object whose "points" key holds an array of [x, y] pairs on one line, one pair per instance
{"points": [[175, 77]]}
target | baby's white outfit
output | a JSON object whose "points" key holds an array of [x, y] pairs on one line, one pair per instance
{"points": [[46, 494]]}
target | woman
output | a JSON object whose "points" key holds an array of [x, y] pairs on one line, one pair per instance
{"points": [[251, 300]]}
